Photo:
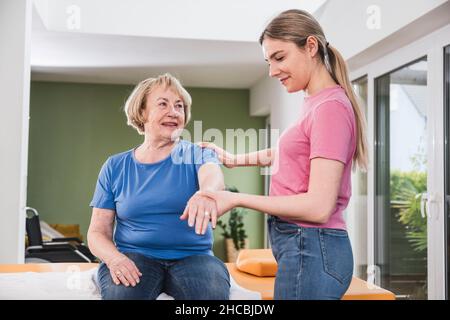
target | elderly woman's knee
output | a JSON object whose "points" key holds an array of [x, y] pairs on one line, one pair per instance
{"points": [[116, 292], [217, 289], [203, 277], [217, 285], [122, 292], [208, 262], [209, 288]]}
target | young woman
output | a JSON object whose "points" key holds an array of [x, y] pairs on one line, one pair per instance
{"points": [[311, 187]]}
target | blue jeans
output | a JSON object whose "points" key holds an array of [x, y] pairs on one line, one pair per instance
{"points": [[198, 277], [313, 263]]}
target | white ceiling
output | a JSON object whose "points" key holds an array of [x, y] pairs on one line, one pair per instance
{"points": [[109, 51]]}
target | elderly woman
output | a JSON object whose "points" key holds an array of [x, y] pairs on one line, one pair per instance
{"points": [[136, 230]]}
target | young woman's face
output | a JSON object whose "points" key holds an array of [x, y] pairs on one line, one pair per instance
{"points": [[165, 113], [288, 63]]}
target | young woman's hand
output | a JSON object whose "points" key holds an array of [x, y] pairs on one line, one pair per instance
{"points": [[225, 200], [226, 158]]}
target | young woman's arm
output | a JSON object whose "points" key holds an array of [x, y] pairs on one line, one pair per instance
{"points": [[260, 158], [314, 206]]}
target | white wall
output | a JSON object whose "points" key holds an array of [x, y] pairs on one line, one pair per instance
{"points": [[184, 19], [352, 26], [15, 31], [269, 97]]}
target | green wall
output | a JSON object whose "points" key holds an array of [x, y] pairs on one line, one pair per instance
{"points": [[74, 127]]}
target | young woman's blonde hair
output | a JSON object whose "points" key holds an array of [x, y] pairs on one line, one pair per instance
{"points": [[137, 101], [296, 26]]}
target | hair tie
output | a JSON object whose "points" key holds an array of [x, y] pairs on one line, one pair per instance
{"points": [[326, 59]]}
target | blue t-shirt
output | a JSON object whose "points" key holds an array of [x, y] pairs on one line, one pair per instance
{"points": [[149, 199]]}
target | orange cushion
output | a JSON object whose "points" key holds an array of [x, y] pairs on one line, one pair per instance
{"points": [[362, 290], [258, 262]]}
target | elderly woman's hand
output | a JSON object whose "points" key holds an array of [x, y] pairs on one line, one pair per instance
{"points": [[200, 210], [123, 270]]}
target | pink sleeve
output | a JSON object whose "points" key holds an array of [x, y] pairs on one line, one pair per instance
{"points": [[331, 132]]}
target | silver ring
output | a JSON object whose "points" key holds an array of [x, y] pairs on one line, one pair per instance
{"points": [[118, 273], [206, 214]]}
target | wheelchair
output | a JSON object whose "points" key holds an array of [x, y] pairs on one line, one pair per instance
{"points": [[70, 249]]}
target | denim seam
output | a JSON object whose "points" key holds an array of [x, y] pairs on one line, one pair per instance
{"points": [[180, 286], [154, 293], [325, 259], [300, 272]]}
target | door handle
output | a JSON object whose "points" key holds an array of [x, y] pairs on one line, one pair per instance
{"points": [[423, 201], [431, 198]]}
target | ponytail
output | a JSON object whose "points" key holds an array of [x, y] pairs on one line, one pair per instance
{"points": [[340, 75]]}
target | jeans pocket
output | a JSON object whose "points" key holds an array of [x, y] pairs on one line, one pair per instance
{"points": [[284, 226], [337, 254]]}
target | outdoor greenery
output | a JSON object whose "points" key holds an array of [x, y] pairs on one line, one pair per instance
{"points": [[234, 229], [407, 189]]}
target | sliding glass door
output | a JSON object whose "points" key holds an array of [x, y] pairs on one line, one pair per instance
{"points": [[401, 180], [357, 210], [447, 159], [408, 180]]}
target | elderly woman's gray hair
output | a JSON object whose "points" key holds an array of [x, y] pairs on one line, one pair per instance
{"points": [[136, 102]]}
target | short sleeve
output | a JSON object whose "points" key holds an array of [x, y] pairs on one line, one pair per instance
{"points": [[204, 155], [331, 132], [103, 195]]}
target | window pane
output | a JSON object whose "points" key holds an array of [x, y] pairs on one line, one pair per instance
{"points": [[357, 218], [447, 154], [401, 179]]}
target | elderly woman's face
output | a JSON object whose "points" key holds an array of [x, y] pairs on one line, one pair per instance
{"points": [[165, 113]]}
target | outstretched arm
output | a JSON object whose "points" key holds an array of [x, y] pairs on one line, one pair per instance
{"points": [[260, 158], [315, 206], [201, 209]]}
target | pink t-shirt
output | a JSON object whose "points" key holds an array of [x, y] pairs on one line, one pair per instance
{"points": [[326, 129]]}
